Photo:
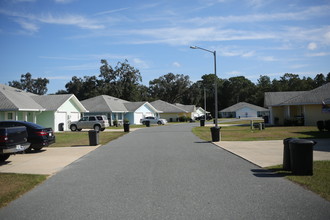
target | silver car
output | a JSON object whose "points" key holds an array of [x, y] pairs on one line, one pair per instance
{"points": [[96, 122]]}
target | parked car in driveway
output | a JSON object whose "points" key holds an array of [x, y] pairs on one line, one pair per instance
{"points": [[96, 122], [153, 120], [38, 136], [12, 140]]}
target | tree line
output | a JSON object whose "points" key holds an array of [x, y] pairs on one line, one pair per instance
{"points": [[125, 82]]}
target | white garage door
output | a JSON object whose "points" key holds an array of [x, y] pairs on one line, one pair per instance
{"points": [[137, 117]]}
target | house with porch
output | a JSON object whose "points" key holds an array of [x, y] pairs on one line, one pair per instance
{"points": [[46, 110], [117, 110], [300, 108], [169, 111]]}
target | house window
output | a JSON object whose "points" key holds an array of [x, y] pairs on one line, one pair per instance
{"points": [[10, 116]]}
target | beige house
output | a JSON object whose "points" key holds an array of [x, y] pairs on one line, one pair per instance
{"points": [[299, 108]]}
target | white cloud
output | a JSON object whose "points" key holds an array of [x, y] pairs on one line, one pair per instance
{"points": [[298, 66], [312, 46], [268, 58], [327, 37], [70, 19], [140, 63], [176, 64], [306, 14], [28, 26], [30, 21], [111, 11], [321, 54]]}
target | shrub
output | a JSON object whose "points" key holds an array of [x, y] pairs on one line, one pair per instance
{"points": [[320, 125], [327, 125], [182, 118]]}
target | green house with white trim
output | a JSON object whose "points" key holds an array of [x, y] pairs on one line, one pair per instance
{"points": [[46, 110]]}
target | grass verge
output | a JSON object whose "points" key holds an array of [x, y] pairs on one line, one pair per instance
{"points": [[318, 183], [71, 139], [14, 185], [244, 133]]}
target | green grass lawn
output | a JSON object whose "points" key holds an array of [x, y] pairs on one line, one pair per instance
{"points": [[244, 133], [318, 183], [14, 185], [69, 139]]}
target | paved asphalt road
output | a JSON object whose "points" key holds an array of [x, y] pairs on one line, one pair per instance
{"points": [[165, 172]]}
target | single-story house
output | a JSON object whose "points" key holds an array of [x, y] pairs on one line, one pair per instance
{"points": [[46, 110], [244, 110], [169, 111], [118, 109], [303, 107]]}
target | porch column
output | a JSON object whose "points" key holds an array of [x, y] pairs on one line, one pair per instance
{"points": [[271, 119]]}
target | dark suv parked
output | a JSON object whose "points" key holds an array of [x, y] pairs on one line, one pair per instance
{"points": [[38, 135]]}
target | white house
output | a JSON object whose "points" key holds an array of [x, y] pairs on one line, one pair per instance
{"points": [[244, 110]]}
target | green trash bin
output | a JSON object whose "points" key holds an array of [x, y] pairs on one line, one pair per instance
{"points": [[126, 127], [93, 137], [301, 156], [286, 154], [215, 132], [148, 123]]}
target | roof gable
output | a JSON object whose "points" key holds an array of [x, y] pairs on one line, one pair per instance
{"points": [[54, 102], [105, 103], [315, 96], [188, 108], [276, 98], [242, 105], [166, 107], [13, 99]]}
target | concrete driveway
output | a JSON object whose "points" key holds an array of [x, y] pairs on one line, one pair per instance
{"points": [[48, 161], [269, 153]]}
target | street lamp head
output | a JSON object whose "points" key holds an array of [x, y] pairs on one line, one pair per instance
{"points": [[193, 47]]}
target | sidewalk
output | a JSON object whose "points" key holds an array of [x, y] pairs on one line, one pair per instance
{"points": [[269, 153]]}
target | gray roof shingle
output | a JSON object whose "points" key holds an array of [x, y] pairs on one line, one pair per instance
{"points": [[188, 108], [241, 105], [52, 102], [166, 107], [276, 98], [105, 103], [315, 96], [12, 99]]}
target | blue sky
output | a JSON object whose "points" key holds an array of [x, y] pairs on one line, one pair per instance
{"points": [[58, 39]]}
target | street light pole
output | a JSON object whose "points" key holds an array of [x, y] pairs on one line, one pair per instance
{"points": [[215, 83]]}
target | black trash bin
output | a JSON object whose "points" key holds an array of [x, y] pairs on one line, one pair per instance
{"points": [[61, 127], [148, 123], [286, 154], [215, 132], [126, 127], [202, 122], [301, 156], [93, 137]]}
